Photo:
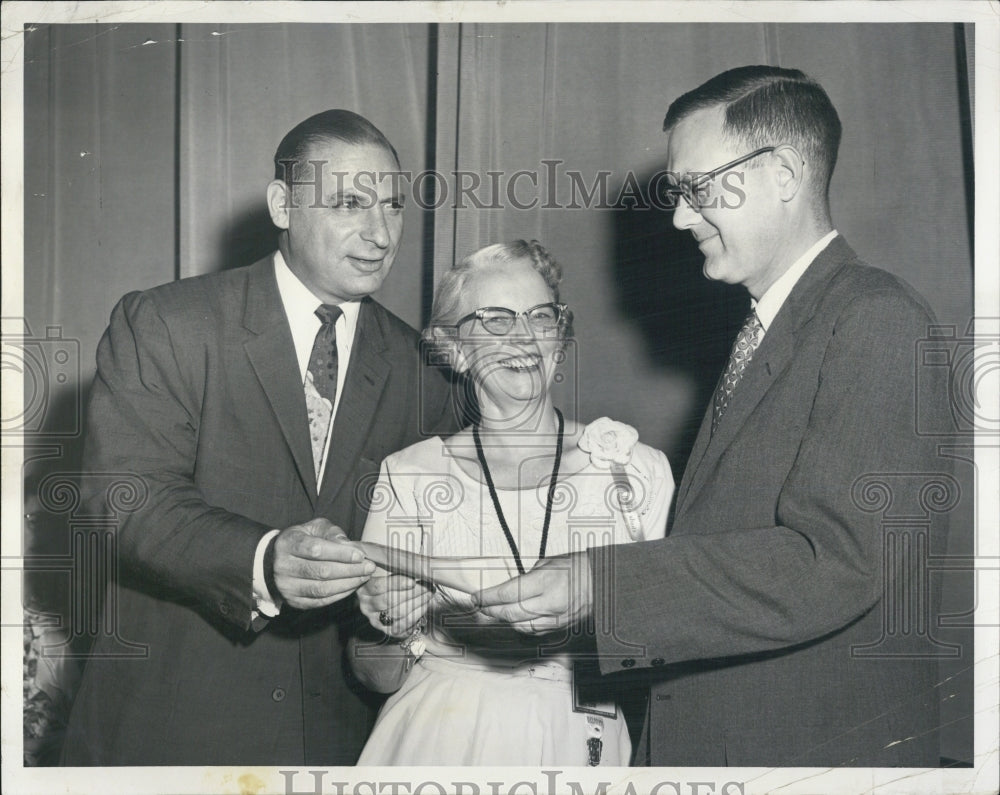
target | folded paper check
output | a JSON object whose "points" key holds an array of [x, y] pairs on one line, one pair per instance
{"points": [[469, 575]]}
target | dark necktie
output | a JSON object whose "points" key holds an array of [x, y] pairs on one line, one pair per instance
{"points": [[321, 381], [747, 341]]}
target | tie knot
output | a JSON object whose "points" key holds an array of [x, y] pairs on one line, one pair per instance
{"points": [[328, 314]]}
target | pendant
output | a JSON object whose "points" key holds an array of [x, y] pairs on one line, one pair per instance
{"points": [[595, 728]]}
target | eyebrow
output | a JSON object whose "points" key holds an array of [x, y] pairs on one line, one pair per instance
{"points": [[351, 193]]}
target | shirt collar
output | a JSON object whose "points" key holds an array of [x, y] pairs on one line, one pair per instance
{"points": [[769, 304], [300, 308]]}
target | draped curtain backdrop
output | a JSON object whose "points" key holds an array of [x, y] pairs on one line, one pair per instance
{"points": [[148, 148]]}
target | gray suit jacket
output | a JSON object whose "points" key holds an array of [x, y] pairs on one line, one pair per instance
{"points": [[751, 614], [198, 393]]}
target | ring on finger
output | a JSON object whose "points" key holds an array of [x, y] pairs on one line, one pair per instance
{"points": [[384, 618]]}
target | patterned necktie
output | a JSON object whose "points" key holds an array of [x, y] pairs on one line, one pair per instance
{"points": [[321, 381], [747, 341]]}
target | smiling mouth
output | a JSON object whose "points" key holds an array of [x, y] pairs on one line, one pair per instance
{"points": [[522, 363], [367, 265]]}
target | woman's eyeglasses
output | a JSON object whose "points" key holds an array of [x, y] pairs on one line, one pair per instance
{"points": [[499, 320]]}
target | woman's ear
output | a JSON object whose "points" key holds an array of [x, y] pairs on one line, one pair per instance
{"points": [[459, 362]]}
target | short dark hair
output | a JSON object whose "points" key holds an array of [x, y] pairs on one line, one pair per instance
{"points": [[768, 105], [337, 125]]}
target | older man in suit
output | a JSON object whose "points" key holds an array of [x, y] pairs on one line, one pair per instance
{"points": [[253, 404], [757, 616]]}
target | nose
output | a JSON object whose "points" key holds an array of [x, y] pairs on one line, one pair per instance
{"points": [[520, 333], [375, 229], [684, 215]]}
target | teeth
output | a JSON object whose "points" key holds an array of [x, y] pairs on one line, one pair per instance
{"points": [[520, 362]]}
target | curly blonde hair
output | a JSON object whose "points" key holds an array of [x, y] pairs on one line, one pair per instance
{"points": [[448, 296]]}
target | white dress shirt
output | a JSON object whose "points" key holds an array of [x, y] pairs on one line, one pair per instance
{"points": [[300, 308], [771, 301]]}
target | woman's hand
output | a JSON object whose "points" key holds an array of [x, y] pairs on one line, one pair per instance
{"points": [[398, 600]]}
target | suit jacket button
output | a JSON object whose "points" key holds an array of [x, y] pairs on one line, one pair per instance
{"points": [[224, 608], [628, 662], [658, 661], [278, 694]]}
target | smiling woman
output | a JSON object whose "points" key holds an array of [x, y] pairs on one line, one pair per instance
{"points": [[498, 320], [521, 484]]}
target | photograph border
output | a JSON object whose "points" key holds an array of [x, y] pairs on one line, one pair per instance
{"points": [[982, 777]]}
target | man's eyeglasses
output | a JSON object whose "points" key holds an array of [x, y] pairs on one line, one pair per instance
{"points": [[499, 320], [697, 191]]}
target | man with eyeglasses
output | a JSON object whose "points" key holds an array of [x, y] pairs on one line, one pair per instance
{"points": [[758, 619]]}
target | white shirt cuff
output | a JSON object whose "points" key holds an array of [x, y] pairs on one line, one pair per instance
{"points": [[263, 599]]}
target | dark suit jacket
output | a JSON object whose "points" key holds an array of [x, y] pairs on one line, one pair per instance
{"points": [[752, 612], [198, 392]]}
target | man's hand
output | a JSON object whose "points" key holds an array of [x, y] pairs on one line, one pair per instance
{"points": [[404, 601], [315, 565], [554, 595]]}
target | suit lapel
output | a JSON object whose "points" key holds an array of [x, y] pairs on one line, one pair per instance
{"points": [[694, 460], [272, 355], [367, 373], [775, 353]]}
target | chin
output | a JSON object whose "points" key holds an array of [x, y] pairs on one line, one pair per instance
{"points": [[521, 391], [367, 284], [511, 392], [709, 271], [718, 271]]}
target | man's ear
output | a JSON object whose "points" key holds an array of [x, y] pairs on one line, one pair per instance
{"points": [[791, 171], [279, 199]]}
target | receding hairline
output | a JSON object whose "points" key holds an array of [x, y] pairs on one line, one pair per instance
{"points": [[299, 144], [717, 107], [732, 87], [330, 139], [308, 178], [698, 117]]}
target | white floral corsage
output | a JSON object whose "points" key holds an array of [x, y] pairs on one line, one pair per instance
{"points": [[608, 442], [610, 445]]}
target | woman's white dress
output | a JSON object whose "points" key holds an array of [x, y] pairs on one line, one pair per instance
{"points": [[481, 693]]}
